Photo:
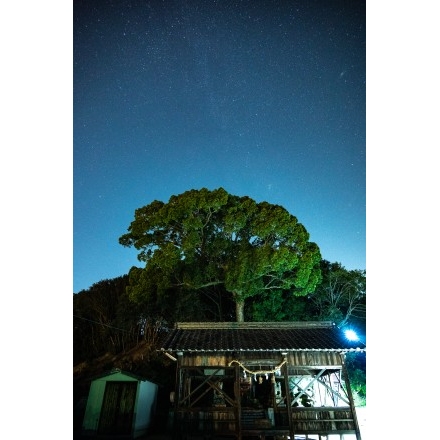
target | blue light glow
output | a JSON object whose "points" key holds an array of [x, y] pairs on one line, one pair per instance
{"points": [[351, 335]]}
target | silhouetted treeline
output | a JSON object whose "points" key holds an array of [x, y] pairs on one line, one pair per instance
{"points": [[104, 320]]}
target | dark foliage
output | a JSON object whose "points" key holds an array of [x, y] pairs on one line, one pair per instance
{"points": [[356, 367]]}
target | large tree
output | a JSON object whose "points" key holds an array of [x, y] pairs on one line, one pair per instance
{"points": [[203, 238]]}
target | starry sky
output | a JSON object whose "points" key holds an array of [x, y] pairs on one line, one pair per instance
{"points": [[263, 98]]}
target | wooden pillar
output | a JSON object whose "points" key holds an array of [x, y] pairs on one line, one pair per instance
{"points": [[350, 396], [237, 410], [285, 371], [177, 424]]}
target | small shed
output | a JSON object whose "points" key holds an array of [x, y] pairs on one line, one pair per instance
{"points": [[120, 404], [262, 379]]}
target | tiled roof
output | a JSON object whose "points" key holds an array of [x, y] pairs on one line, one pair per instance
{"points": [[258, 336]]}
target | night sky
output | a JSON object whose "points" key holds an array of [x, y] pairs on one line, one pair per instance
{"points": [[263, 98]]}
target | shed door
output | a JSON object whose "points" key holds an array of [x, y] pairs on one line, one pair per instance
{"points": [[117, 408]]}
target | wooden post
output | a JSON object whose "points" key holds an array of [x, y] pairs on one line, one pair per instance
{"points": [[237, 410], [350, 396], [285, 372], [177, 424]]}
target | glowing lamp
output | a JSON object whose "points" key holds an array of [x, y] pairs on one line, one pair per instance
{"points": [[351, 335]]}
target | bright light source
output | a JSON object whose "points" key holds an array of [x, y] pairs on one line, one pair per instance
{"points": [[351, 335]]}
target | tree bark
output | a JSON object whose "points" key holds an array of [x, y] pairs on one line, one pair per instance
{"points": [[239, 311]]}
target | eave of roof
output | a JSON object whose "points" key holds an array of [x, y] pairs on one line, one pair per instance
{"points": [[209, 337], [114, 371]]}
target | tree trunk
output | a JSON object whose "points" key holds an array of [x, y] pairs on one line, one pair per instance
{"points": [[239, 311]]}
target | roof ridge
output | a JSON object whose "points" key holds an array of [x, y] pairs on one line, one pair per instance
{"points": [[253, 325]]}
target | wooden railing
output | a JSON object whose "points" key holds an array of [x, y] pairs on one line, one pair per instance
{"points": [[318, 420], [255, 422]]}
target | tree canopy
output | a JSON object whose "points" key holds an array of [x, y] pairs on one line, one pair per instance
{"points": [[204, 238], [341, 296]]}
